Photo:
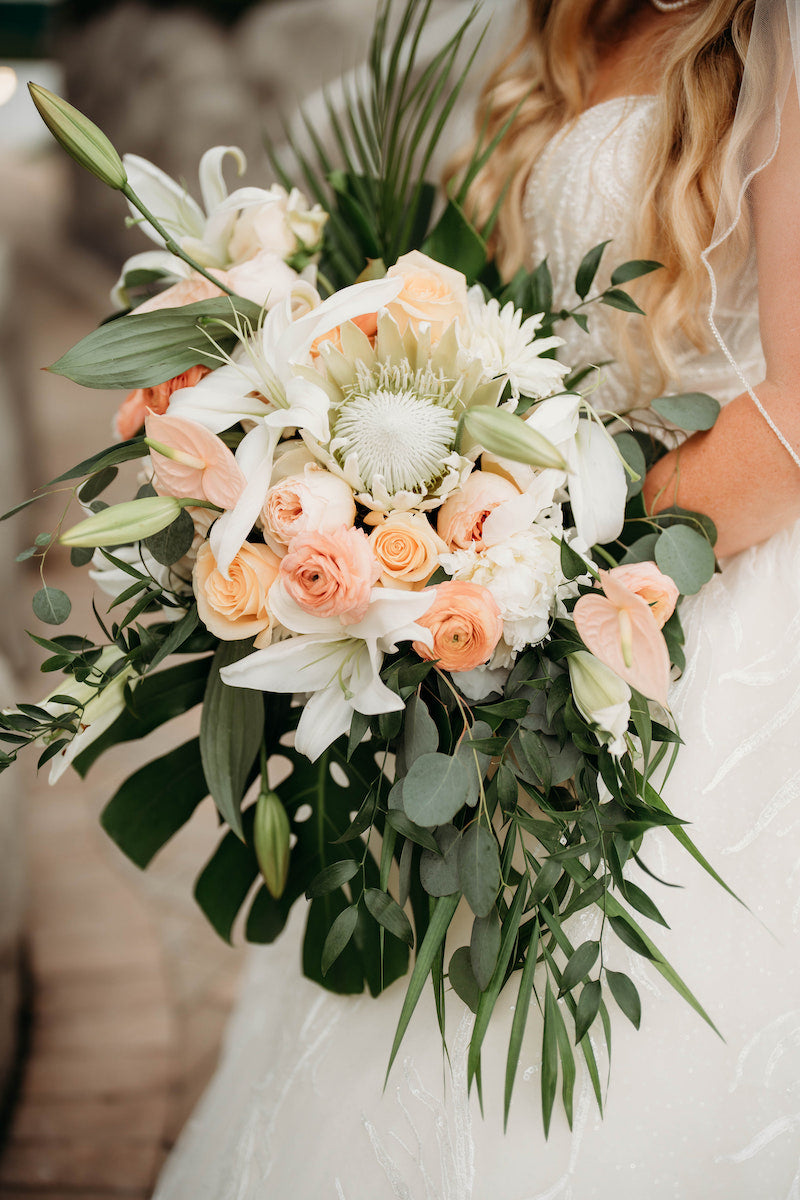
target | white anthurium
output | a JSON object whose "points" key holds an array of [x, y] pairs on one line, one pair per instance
{"points": [[339, 664], [100, 708]]}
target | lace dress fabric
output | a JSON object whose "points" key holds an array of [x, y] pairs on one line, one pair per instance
{"points": [[297, 1109]]}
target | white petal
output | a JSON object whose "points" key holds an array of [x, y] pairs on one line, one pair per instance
{"points": [[597, 486], [326, 716], [307, 408], [171, 204], [217, 401], [369, 694], [213, 187], [350, 302], [556, 418], [391, 618], [293, 617], [298, 664], [149, 260], [254, 457], [512, 516]]}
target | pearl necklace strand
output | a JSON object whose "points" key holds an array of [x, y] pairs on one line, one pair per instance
{"points": [[666, 6]]}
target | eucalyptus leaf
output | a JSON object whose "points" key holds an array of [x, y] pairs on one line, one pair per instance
{"points": [[420, 735], [435, 788], [633, 454], [484, 947], [169, 545], [479, 868], [438, 872], [690, 411], [51, 605], [686, 557], [462, 978]]}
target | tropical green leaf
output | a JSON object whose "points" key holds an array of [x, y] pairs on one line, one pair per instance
{"points": [[634, 269], [616, 298], [145, 349], [588, 270], [520, 1019], [579, 965], [624, 992], [339, 934], [588, 1008], [388, 913], [550, 1056], [332, 877], [231, 729], [155, 802]]}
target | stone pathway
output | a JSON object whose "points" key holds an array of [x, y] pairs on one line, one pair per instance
{"points": [[130, 987]]}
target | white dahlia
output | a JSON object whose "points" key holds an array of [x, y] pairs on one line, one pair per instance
{"points": [[507, 345]]}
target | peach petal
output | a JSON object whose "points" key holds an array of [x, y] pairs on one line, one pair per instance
{"points": [[626, 637], [219, 480]]}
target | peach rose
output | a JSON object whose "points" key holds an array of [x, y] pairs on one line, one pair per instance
{"points": [[657, 589], [236, 608], [431, 292], [315, 500], [133, 410], [466, 625], [331, 574], [461, 517], [407, 550], [203, 468]]}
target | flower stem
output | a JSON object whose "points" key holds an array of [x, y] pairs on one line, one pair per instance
{"points": [[169, 241]]}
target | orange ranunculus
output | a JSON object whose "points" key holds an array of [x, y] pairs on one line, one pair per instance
{"points": [[331, 574], [133, 410], [466, 625], [237, 607]]}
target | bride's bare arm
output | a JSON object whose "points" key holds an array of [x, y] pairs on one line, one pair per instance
{"points": [[738, 472]]}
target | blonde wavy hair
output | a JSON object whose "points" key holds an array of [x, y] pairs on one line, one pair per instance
{"points": [[548, 79]]}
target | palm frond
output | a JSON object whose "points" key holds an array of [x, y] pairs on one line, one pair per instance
{"points": [[368, 167]]}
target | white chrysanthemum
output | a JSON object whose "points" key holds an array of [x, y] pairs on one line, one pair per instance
{"points": [[394, 414], [523, 574], [507, 345]]}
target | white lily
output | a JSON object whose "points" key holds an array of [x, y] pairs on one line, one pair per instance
{"points": [[100, 708], [206, 234], [340, 664], [294, 400], [596, 476]]}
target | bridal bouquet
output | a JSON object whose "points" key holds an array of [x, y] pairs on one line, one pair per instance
{"points": [[381, 537]]}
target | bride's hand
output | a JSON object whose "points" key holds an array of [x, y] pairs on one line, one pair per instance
{"points": [[739, 473]]}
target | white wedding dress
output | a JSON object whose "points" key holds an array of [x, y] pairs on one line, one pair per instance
{"points": [[297, 1110]]}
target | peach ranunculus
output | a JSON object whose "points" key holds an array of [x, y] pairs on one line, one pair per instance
{"points": [[133, 410], [461, 517], [238, 607], [198, 466], [656, 588], [431, 292], [407, 549], [314, 501], [466, 625], [331, 574]]}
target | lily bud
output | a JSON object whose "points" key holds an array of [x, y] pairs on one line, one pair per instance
{"points": [[121, 523], [271, 839], [80, 137], [508, 436], [601, 697]]}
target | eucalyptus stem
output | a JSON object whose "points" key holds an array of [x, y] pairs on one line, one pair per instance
{"points": [[169, 241]]}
